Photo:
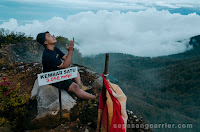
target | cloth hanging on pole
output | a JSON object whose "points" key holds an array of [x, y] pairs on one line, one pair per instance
{"points": [[113, 114]]}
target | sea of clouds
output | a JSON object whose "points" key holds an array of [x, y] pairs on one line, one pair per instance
{"points": [[144, 33]]}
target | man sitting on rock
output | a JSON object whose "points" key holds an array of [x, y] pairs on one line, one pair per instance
{"points": [[51, 61]]}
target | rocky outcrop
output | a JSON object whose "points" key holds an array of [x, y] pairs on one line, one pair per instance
{"points": [[48, 100], [72, 107], [82, 116]]}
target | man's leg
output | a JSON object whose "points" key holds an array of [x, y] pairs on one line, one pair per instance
{"points": [[78, 78], [78, 81], [79, 92]]}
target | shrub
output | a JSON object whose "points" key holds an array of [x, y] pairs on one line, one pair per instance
{"points": [[7, 37], [3, 121], [11, 103], [10, 97]]}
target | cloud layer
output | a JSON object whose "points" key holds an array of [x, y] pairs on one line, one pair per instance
{"points": [[144, 33]]}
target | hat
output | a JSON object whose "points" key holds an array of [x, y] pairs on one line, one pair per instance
{"points": [[41, 37]]}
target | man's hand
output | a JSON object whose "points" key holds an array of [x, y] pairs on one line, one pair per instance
{"points": [[71, 45], [67, 59]]}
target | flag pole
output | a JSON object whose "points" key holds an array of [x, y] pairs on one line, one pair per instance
{"points": [[105, 75], [60, 102], [106, 65], [103, 92]]}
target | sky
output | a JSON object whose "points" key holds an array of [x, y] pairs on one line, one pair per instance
{"points": [[138, 27], [28, 10]]}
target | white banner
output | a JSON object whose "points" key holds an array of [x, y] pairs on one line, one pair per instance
{"points": [[57, 76]]}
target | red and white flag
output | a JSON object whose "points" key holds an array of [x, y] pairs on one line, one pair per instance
{"points": [[112, 117]]}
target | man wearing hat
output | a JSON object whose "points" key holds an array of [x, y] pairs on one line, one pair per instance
{"points": [[51, 61]]}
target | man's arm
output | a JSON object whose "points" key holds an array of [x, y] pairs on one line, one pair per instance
{"points": [[64, 57], [67, 59]]}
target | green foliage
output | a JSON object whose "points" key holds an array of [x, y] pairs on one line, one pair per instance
{"points": [[86, 111], [7, 37], [10, 97], [11, 103], [4, 125], [87, 107], [62, 40], [3, 121]]}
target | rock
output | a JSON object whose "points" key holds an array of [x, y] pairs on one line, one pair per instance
{"points": [[135, 116], [5, 128], [36, 64], [86, 130], [89, 71], [98, 83], [81, 71], [133, 119], [34, 91], [48, 100], [21, 67]]}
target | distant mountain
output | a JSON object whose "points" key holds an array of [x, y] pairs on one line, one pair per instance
{"points": [[160, 89]]}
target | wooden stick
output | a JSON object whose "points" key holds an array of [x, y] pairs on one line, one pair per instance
{"points": [[60, 102], [103, 92], [106, 65], [105, 73]]}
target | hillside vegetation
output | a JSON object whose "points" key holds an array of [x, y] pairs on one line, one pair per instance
{"points": [[163, 89]]}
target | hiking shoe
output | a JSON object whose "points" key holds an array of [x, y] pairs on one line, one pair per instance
{"points": [[84, 88]]}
